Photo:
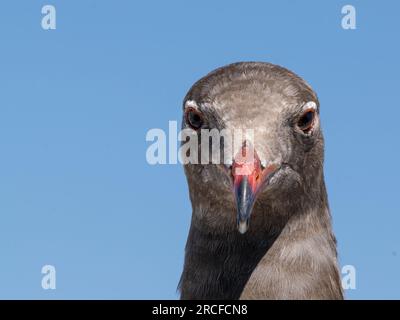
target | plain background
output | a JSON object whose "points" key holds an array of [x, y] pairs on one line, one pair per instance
{"points": [[76, 103]]}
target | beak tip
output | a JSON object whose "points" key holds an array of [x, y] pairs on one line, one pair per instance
{"points": [[243, 226]]}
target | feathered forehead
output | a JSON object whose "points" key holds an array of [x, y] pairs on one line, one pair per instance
{"points": [[250, 80]]}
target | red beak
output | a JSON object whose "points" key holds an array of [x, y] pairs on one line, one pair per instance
{"points": [[248, 177]]}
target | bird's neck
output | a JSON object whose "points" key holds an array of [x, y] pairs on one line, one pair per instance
{"points": [[224, 264]]}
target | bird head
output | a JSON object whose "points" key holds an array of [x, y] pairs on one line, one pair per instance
{"points": [[259, 144]]}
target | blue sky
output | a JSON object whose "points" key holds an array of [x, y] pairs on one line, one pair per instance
{"points": [[76, 103]]}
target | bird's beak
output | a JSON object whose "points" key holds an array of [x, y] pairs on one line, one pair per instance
{"points": [[245, 198], [248, 177]]}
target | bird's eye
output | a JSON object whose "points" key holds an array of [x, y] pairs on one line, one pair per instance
{"points": [[306, 121], [194, 118]]}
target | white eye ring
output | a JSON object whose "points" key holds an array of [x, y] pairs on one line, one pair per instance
{"points": [[310, 105], [191, 104]]}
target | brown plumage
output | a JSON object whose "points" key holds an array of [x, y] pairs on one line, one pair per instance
{"points": [[289, 250]]}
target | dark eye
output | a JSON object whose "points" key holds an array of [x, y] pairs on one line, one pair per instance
{"points": [[306, 121], [194, 118]]}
